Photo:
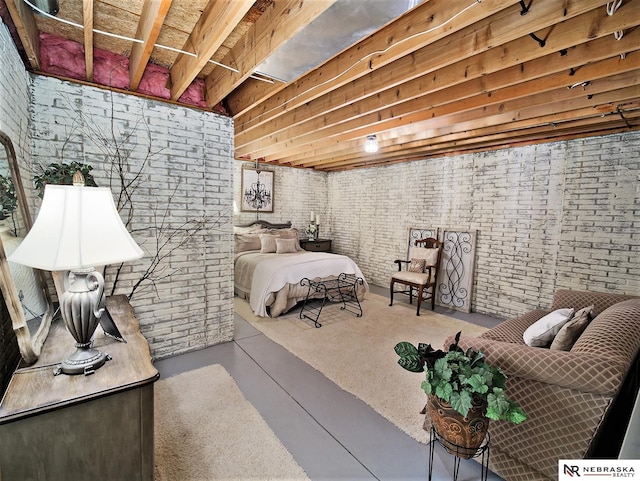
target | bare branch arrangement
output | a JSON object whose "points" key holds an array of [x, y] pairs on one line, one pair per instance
{"points": [[125, 170]]}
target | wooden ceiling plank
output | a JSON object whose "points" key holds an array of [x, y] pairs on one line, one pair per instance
{"points": [[506, 102], [390, 43], [87, 20], [274, 27], [25, 23], [217, 21], [150, 24], [577, 30], [492, 138], [490, 32]]}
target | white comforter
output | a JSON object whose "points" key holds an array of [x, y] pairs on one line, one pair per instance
{"points": [[272, 274]]}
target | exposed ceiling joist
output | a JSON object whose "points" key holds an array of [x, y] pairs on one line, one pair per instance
{"points": [[447, 76]]}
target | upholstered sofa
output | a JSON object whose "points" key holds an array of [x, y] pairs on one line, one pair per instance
{"points": [[568, 395]]}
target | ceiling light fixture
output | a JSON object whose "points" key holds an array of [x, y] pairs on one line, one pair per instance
{"points": [[371, 145]]}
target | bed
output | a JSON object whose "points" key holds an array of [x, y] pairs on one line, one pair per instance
{"points": [[269, 265]]}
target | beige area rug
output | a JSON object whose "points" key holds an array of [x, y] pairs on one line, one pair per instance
{"points": [[357, 353], [206, 430]]}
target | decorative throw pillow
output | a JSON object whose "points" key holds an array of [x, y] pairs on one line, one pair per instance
{"points": [[267, 243], [416, 265], [430, 255], [291, 233], [286, 246], [570, 332], [542, 332]]}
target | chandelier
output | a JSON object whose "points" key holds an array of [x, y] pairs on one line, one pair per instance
{"points": [[257, 195]]}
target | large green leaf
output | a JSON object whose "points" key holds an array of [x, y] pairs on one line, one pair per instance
{"points": [[411, 362], [461, 402], [405, 349]]}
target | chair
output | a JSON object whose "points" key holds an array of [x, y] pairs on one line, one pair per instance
{"points": [[421, 272]]}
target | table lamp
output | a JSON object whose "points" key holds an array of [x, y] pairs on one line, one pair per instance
{"points": [[77, 229]]}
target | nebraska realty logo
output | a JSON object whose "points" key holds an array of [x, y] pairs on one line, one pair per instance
{"points": [[595, 469]]}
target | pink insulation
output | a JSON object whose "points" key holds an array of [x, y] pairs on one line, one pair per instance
{"points": [[66, 59]]}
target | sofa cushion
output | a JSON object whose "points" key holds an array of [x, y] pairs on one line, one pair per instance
{"points": [[570, 332], [615, 333], [542, 332]]}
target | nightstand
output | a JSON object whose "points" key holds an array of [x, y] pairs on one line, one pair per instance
{"points": [[317, 245]]}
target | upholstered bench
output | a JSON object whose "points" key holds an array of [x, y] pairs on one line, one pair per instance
{"points": [[568, 394]]}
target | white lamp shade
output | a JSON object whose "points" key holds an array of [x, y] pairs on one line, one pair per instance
{"points": [[77, 227]]}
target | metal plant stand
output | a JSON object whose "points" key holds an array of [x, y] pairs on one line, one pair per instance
{"points": [[483, 451], [340, 289]]}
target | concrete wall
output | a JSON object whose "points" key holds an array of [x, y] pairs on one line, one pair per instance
{"points": [[182, 159]]}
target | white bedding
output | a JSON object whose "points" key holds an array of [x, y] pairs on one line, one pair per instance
{"points": [[275, 271]]}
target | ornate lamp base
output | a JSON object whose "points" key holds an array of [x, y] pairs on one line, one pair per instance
{"points": [[81, 308], [85, 360]]}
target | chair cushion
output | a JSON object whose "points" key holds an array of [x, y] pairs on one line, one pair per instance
{"points": [[542, 332], [416, 265], [412, 277], [430, 256], [570, 332]]}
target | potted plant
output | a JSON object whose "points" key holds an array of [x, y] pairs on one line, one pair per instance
{"points": [[463, 393]]}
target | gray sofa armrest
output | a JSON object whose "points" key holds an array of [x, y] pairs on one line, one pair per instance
{"points": [[601, 374]]}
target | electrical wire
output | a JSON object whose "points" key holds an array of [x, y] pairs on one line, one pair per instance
{"points": [[122, 37], [612, 7], [369, 55]]}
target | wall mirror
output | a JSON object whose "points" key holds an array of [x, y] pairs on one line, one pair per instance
{"points": [[24, 289]]}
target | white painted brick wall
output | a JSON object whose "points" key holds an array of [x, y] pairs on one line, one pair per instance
{"points": [[297, 192], [549, 216], [14, 98], [188, 176]]}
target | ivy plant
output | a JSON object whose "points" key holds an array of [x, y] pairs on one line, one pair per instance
{"points": [[62, 174], [458, 377], [8, 199]]}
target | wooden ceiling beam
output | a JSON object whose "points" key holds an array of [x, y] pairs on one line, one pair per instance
{"points": [[426, 23], [281, 21], [25, 23], [439, 104], [217, 21], [151, 20], [574, 128], [573, 31], [617, 89], [87, 21]]}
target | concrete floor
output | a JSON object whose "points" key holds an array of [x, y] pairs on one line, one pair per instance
{"points": [[331, 434]]}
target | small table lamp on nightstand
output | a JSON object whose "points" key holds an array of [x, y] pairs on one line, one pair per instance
{"points": [[77, 229]]}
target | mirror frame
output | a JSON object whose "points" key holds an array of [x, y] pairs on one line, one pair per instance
{"points": [[30, 346]]}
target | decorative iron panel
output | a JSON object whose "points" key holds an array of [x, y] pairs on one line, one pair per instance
{"points": [[455, 276]]}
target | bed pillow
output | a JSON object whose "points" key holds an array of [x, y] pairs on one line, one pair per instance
{"points": [[252, 229], [246, 242], [286, 246], [570, 332], [542, 332], [267, 243]]}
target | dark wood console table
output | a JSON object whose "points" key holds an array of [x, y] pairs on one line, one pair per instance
{"points": [[82, 427]]}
